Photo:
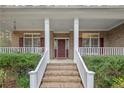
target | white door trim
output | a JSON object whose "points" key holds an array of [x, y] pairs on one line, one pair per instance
{"points": [[65, 38]]}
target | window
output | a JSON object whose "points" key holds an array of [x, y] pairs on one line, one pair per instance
{"points": [[32, 39], [90, 39]]}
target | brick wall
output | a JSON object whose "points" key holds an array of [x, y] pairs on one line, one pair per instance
{"points": [[116, 36]]}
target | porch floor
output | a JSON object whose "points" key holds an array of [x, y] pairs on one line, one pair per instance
{"points": [[61, 61]]}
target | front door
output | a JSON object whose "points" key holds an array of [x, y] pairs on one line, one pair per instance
{"points": [[61, 48]]}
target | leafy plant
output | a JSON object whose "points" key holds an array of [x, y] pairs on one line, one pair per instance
{"points": [[118, 82], [23, 81], [106, 68], [2, 77], [20, 64]]}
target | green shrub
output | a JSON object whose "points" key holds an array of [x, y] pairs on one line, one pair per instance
{"points": [[2, 77], [26, 62], [118, 82], [106, 68], [20, 64], [23, 81]]}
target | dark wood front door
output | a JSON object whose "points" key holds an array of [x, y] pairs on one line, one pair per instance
{"points": [[61, 48]]}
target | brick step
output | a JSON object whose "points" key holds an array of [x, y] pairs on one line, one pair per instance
{"points": [[62, 64], [61, 85], [61, 73], [61, 79], [61, 67]]}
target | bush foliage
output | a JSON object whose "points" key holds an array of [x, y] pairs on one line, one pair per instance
{"points": [[107, 69], [21, 64], [118, 82], [23, 81]]}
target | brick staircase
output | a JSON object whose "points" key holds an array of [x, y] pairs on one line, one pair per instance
{"points": [[61, 75]]}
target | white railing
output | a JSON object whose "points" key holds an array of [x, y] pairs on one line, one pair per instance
{"points": [[37, 75], [38, 50], [87, 76], [101, 51]]}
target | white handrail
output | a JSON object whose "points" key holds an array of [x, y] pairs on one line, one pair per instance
{"points": [[87, 76], [37, 50], [37, 75], [101, 51]]}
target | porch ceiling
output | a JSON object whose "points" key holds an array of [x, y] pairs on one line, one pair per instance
{"points": [[92, 19], [62, 25]]}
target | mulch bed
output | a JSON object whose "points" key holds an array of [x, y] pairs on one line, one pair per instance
{"points": [[9, 84], [10, 80]]}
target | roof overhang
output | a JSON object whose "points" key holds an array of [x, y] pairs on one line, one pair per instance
{"points": [[61, 6]]}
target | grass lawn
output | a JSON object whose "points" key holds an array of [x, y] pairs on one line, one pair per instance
{"points": [[109, 70], [16, 67]]}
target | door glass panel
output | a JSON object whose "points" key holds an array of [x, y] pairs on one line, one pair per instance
{"points": [[55, 44], [66, 44]]}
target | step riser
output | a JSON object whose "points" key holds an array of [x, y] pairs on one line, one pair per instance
{"points": [[64, 81], [61, 73], [61, 69], [61, 85], [53, 64], [61, 79]]}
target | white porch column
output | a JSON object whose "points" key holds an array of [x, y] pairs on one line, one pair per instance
{"points": [[47, 36], [76, 35]]}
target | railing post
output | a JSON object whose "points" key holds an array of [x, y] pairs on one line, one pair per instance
{"points": [[33, 79], [123, 51], [0, 50], [90, 79]]}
